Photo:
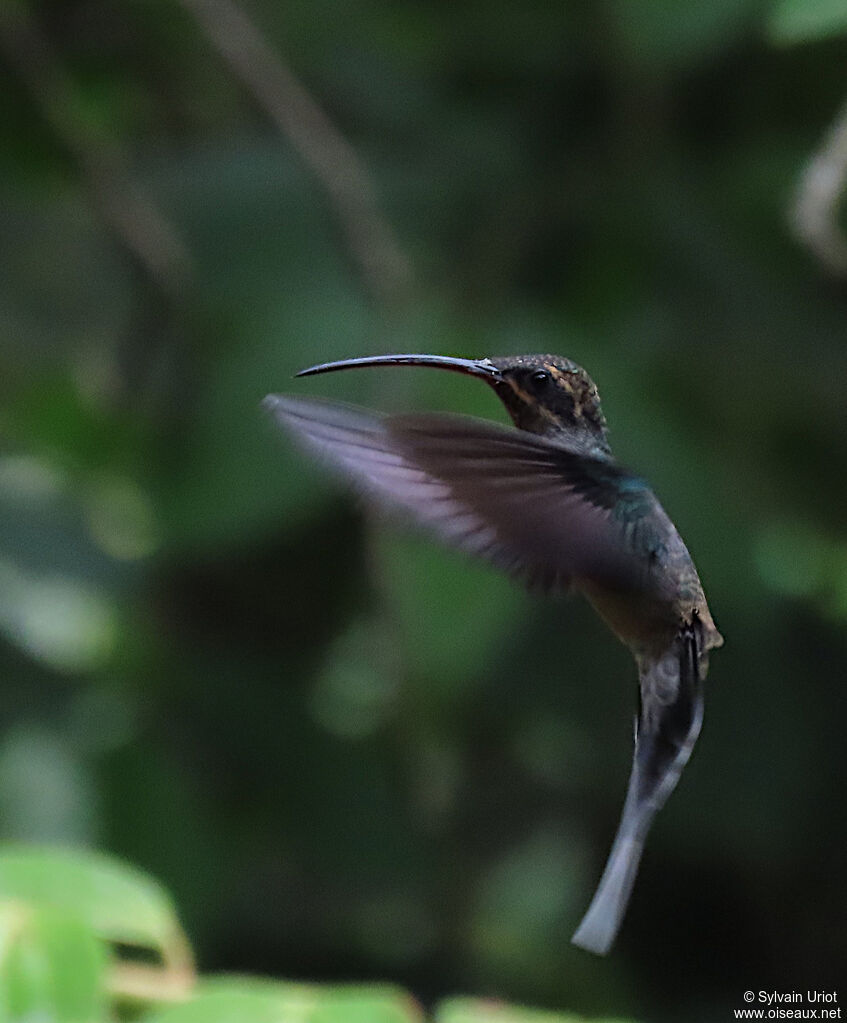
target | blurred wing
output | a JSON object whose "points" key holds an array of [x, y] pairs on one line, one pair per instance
{"points": [[529, 506]]}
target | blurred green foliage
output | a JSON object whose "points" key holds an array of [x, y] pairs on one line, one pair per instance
{"points": [[348, 754], [85, 938]]}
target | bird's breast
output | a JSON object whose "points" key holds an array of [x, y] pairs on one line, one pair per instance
{"points": [[647, 622], [641, 622]]}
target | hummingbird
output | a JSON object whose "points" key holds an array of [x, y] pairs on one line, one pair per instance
{"points": [[547, 502]]}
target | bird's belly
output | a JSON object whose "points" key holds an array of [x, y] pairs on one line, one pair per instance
{"points": [[645, 622], [641, 622]]}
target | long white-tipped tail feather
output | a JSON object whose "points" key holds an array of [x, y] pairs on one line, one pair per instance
{"points": [[601, 923]]}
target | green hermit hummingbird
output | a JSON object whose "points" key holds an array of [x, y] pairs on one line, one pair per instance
{"points": [[546, 501]]}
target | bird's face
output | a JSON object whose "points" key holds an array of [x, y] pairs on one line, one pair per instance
{"points": [[549, 395], [544, 394]]}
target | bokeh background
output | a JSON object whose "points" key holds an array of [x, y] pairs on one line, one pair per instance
{"points": [[350, 755]]}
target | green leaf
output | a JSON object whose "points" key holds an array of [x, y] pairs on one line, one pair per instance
{"points": [[231, 1007], [351, 1004], [254, 1000], [799, 21], [52, 967], [118, 902], [484, 1010]]}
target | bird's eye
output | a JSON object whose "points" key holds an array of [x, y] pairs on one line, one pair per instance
{"points": [[540, 378]]}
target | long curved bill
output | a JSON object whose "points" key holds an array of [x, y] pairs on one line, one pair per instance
{"points": [[483, 368]]}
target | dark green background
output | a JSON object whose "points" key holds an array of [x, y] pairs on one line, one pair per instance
{"points": [[349, 754]]}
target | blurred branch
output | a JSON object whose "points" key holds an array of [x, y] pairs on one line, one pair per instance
{"points": [[815, 213], [141, 983], [146, 234], [333, 161]]}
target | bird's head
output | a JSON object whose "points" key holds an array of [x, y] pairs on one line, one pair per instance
{"points": [[544, 394], [548, 394]]}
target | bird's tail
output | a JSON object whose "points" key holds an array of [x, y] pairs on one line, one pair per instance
{"points": [[665, 735], [600, 925]]}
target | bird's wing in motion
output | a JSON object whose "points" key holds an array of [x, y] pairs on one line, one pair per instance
{"points": [[529, 506], [668, 725]]}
